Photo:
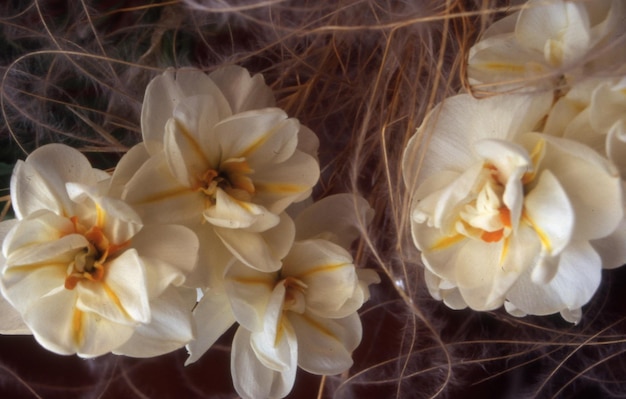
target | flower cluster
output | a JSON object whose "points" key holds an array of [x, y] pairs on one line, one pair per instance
{"points": [[517, 197], [189, 236]]}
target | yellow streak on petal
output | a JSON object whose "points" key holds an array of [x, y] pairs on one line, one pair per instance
{"points": [[100, 216], [503, 67], [535, 156], [253, 281], [324, 268], [317, 326], [192, 141], [165, 195], [446, 242], [280, 188], [505, 249], [115, 299], [543, 237], [256, 144], [78, 332]]}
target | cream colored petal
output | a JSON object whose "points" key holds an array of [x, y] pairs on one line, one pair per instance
{"points": [[169, 253], [273, 345], [122, 296], [170, 327], [231, 213], [277, 186], [36, 229], [328, 273], [243, 92], [325, 346], [212, 317], [249, 292], [39, 182], [262, 251], [262, 137], [126, 168], [116, 218], [578, 277], [339, 218], [251, 378], [591, 183], [549, 211], [165, 92], [159, 198], [308, 142], [611, 248], [11, 322], [213, 260]]}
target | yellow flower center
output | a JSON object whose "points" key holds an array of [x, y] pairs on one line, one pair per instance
{"points": [[89, 263], [232, 177]]}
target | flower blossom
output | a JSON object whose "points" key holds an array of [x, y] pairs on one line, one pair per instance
{"points": [[81, 274], [221, 159], [505, 215], [305, 313], [546, 40]]}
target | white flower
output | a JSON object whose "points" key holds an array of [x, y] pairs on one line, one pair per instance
{"points": [[305, 313], [503, 213], [80, 270], [218, 157], [546, 40]]}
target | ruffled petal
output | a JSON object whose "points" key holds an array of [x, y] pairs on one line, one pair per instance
{"points": [[243, 92], [262, 137], [230, 213], [126, 169], [11, 320], [339, 218], [262, 251], [170, 327], [325, 346], [251, 378], [212, 316], [249, 292], [122, 296], [278, 186], [165, 92], [611, 248], [169, 253], [328, 273], [39, 182], [578, 277], [159, 198]]}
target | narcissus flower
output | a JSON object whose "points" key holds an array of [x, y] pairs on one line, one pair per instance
{"points": [[305, 313], [80, 270], [546, 40], [218, 156], [502, 213]]}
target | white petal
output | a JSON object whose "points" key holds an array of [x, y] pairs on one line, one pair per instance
{"points": [[213, 260], [165, 92], [243, 92], [231, 213], [592, 185], [122, 295], [251, 378], [308, 142], [328, 273], [325, 346], [39, 182], [261, 251], [126, 168], [212, 316], [169, 253], [159, 198], [550, 213], [277, 186], [611, 248], [170, 327], [338, 218], [263, 137], [578, 277], [11, 320], [249, 293]]}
